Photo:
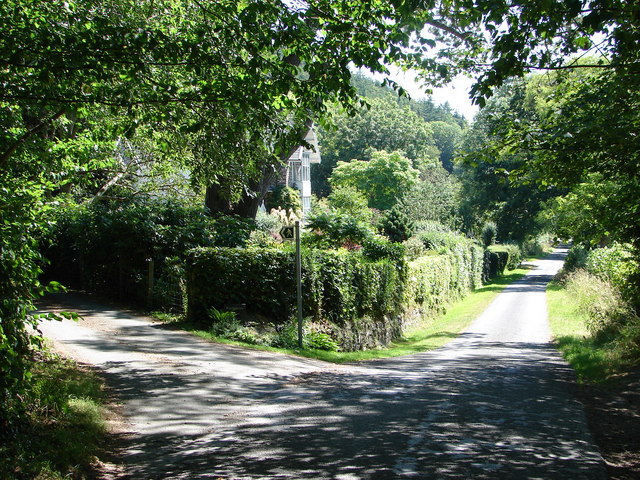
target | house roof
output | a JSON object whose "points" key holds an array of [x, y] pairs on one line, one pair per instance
{"points": [[314, 155]]}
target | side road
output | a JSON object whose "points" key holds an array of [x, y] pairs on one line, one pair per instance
{"points": [[496, 403]]}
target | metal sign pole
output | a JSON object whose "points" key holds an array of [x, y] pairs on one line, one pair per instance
{"points": [[299, 282]]}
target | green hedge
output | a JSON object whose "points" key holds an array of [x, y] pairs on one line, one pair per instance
{"points": [[105, 246], [364, 300], [360, 297], [494, 264], [513, 251], [436, 280]]}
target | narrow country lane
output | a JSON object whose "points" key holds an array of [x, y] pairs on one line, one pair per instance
{"points": [[496, 403]]}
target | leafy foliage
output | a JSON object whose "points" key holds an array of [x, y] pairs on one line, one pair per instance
{"points": [[489, 191], [382, 179], [351, 201], [106, 246], [342, 288], [383, 125], [286, 198], [21, 216], [397, 225], [489, 233], [333, 229], [602, 303], [436, 197]]}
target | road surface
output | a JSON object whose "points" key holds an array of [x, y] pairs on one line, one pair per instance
{"points": [[496, 403]]}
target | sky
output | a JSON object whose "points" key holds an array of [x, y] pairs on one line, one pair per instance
{"points": [[456, 93]]}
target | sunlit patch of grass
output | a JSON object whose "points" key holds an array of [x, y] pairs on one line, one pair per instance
{"points": [[595, 357], [63, 427], [429, 334]]}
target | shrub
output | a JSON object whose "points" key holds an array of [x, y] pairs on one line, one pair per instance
{"points": [[489, 233], [414, 248], [576, 258], [378, 248], [332, 229], [105, 246], [614, 264], [514, 254], [494, 264], [439, 241], [286, 198], [232, 230], [351, 201], [536, 246], [603, 304], [265, 222], [397, 225]]}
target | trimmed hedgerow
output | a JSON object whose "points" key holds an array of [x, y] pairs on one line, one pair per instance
{"points": [[344, 288], [365, 296], [436, 280], [513, 251], [494, 264]]}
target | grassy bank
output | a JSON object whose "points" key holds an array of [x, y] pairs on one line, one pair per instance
{"points": [[596, 356], [63, 427]]}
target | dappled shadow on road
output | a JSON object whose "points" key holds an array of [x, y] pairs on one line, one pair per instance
{"points": [[486, 411]]}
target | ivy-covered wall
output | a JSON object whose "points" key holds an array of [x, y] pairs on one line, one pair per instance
{"points": [[365, 302]]}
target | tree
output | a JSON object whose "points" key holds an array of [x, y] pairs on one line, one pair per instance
{"points": [[436, 197], [382, 125], [490, 192], [585, 142], [383, 179], [446, 137]]}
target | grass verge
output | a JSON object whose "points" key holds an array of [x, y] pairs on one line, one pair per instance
{"points": [[63, 427], [428, 335], [595, 358]]}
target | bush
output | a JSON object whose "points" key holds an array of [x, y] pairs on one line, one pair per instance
{"points": [[286, 198], [536, 246], [615, 264], [397, 225], [106, 246], [346, 289], [436, 280], [494, 264], [489, 233], [332, 229], [606, 311], [414, 248], [378, 248], [440, 241], [351, 201], [514, 254], [576, 258]]}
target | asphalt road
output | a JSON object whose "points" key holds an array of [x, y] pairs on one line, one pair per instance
{"points": [[496, 403]]}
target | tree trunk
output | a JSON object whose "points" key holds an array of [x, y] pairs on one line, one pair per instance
{"points": [[247, 206], [250, 202]]}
